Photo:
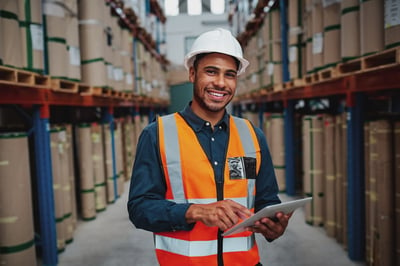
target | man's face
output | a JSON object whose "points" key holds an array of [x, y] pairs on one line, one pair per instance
{"points": [[214, 81]]}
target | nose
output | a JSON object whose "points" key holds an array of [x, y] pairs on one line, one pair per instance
{"points": [[219, 81]]}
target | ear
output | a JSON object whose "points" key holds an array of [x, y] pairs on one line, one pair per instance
{"points": [[191, 74]]}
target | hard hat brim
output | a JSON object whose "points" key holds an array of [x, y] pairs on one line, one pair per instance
{"points": [[190, 57]]}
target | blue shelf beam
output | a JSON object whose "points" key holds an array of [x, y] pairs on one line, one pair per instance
{"points": [[356, 177], [47, 220], [289, 147]]}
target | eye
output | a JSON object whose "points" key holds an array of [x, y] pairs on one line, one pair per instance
{"points": [[211, 71], [231, 75]]}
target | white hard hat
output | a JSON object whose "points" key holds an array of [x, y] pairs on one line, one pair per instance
{"points": [[216, 41]]}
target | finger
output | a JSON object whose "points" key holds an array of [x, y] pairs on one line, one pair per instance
{"points": [[239, 209], [236, 211]]}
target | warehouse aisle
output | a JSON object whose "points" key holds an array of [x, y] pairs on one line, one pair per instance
{"points": [[111, 239]]}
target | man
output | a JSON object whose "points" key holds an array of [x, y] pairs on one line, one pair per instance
{"points": [[181, 187]]}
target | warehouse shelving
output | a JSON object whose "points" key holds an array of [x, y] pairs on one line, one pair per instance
{"points": [[354, 87], [38, 96], [27, 94]]}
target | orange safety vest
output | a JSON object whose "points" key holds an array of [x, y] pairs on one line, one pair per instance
{"points": [[190, 179]]}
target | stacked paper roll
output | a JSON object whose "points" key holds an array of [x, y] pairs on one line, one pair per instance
{"points": [[98, 167], [332, 29], [372, 34], [108, 163], [31, 25], [93, 39], [16, 214], [86, 184], [56, 38], [73, 44], [10, 36], [350, 30]]}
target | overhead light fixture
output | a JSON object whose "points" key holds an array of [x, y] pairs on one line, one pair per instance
{"points": [[271, 3]]}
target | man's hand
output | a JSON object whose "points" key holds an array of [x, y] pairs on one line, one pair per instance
{"points": [[272, 228], [223, 214]]}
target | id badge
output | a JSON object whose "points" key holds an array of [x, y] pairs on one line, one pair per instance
{"points": [[242, 167]]}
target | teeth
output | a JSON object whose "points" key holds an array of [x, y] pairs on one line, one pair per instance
{"points": [[216, 94]]}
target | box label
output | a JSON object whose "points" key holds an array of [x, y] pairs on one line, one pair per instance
{"points": [[392, 13]]}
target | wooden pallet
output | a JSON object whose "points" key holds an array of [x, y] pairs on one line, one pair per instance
{"points": [[23, 77], [328, 73], [383, 59], [349, 67], [386, 58], [86, 90], [278, 87], [310, 78], [106, 92], [293, 84], [115, 94], [61, 85], [128, 95]]}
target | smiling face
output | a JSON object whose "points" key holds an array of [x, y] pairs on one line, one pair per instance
{"points": [[214, 82]]}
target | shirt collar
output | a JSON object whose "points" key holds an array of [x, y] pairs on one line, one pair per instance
{"points": [[198, 123]]}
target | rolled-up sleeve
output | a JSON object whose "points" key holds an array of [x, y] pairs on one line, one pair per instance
{"points": [[147, 207]]}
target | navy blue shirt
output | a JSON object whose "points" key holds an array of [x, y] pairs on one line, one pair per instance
{"points": [[149, 210]]}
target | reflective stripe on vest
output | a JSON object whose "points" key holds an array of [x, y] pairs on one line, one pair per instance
{"points": [[247, 142], [203, 248], [173, 158]]}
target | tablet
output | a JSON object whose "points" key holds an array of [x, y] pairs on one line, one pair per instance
{"points": [[269, 211]]}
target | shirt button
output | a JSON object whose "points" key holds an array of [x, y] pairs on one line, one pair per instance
{"points": [[212, 139], [207, 124], [215, 163], [220, 127]]}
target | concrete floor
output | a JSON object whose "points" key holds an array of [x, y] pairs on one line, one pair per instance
{"points": [[111, 239]]}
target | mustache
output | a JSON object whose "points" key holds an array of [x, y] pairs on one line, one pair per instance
{"points": [[219, 89]]}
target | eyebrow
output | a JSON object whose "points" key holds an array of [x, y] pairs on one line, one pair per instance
{"points": [[217, 68]]}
